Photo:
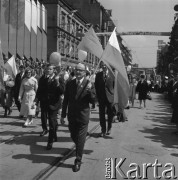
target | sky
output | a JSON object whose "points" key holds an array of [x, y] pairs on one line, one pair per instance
{"points": [[142, 15]]}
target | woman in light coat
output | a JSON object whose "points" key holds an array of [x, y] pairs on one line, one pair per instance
{"points": [[27, 95]]}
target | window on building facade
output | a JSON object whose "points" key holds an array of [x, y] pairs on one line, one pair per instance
{"points": [[63, 23], [72, 51], [68, 24], [73, 28], [76, 50], [62, 47]]}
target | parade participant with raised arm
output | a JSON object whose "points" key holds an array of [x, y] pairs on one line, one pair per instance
{"points": [[54, 90]]}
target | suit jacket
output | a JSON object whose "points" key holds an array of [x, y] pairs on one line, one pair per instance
{"points": [[49, 91], [42, 90], [18, 81], [104, 88], [77, 100], [55, 88]]}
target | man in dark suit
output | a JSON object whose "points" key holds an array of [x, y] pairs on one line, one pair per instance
{"points": [[53, 91], [78, 94], [18, 80], [104, 86], [41, 97]]}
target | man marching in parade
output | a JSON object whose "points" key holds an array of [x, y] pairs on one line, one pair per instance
{"points": [[77, 96]]}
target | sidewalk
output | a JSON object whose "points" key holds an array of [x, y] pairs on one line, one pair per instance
{"points": [[21, 148]]}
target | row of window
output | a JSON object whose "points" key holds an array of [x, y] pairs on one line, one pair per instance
{"points": [[67, 41]]}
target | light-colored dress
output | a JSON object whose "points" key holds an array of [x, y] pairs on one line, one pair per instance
{"points": [[132, 91], [27, 94]]}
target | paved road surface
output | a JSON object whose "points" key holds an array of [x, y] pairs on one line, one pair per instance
{"points": [[143, 139]]}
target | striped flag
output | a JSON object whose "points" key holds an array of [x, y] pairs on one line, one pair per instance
{"points": [[90, 43], [112, 56]]}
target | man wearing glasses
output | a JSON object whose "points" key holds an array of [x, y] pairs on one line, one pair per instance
{"points": [[78, 94]]}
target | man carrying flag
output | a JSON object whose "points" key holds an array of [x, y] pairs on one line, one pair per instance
{"points": [[112, 56], [104, 85]]}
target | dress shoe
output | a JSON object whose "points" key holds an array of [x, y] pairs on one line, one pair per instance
{"points": [[30, 122], [49, 146], [5, 115], [76, 167], [93, 106], [108, 132], [26, 123], [62, 122], [44, 133], [102, 134], [10, 111], [55, 139]]}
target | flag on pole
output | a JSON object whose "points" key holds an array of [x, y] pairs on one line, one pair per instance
{"points": [[112, 56], [1, 70], [90, 43], [10, 66]]}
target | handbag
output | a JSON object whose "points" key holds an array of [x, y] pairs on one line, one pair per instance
{"points": [[148, 96]]}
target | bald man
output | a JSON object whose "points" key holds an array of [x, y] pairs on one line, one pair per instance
{"points": [[77, 96]]}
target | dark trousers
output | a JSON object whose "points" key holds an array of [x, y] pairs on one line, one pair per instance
{"points": [[174, 118], [78, 133], [44, 113], [105, 108], [52, 117], [17, 102]]}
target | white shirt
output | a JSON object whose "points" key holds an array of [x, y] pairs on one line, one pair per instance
{"points": [[80, 81]]}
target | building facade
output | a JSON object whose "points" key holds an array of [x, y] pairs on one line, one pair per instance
{"points": [[68, 20], [65, 25], [96, 15], [23, 29]]}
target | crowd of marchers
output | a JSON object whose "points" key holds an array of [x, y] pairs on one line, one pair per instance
{"points": [[55, 93]]}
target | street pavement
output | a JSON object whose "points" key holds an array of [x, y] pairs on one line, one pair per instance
{"points": [[143, 139]]}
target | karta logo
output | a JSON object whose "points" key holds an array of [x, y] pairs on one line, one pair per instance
{"points": [[114, 168]]}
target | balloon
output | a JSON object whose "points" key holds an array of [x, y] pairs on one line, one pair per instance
{"points": [[10, 83], [129, 68], [55, 59], [82, 55]]}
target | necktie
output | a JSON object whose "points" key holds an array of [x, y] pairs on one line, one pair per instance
{"points": [[78, 84], [104, 77]]}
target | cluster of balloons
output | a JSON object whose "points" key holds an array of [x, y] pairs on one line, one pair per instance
{"points": [[55, 57]]}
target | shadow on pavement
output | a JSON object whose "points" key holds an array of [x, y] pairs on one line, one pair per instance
{"points": [[161, 132], [174, 154], [94, 119], [97, 135], [14, 123]]}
